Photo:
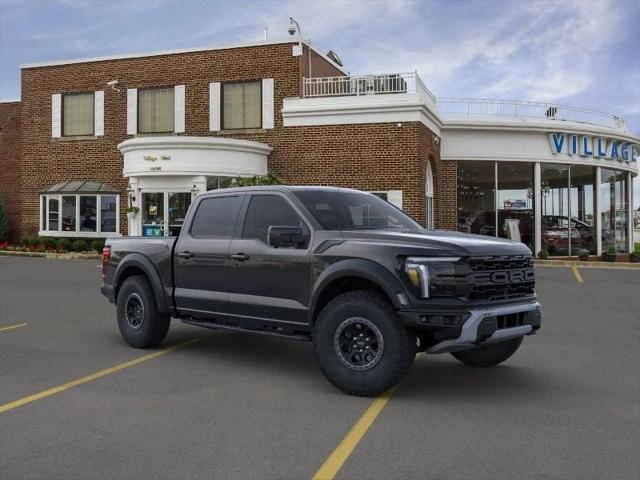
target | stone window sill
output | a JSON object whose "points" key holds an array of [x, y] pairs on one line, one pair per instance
{"points": [[241, 131], [77, 138]]}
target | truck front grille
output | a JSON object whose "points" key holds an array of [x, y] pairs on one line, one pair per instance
{"points": [[500, 278]]}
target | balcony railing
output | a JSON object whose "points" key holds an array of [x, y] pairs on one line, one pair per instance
{"points": [[411, 83], [356, 85], [473, 107]]}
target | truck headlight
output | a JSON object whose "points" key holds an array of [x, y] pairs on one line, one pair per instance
{"points": [[432, 276]]}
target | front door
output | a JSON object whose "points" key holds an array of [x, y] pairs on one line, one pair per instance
{"points": [[266, 282], [201, 257], [163, 213]]}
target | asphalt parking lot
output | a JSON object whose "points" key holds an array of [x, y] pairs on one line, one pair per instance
{"points": [[234, 406]]}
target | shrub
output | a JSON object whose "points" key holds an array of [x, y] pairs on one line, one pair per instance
{"points": [[583, 254], [79, 246], [30, 241], [4, 224], [97, 244], [268, 179], [65, 244], [48, 243], [611, 250], [543, 254]]}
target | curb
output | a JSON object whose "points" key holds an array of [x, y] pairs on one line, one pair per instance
{"points": [[572, 263], [58, 256]]}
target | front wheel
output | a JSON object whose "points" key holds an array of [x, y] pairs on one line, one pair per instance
{"points": [[489, 355], [139, 321], [360, 345]]}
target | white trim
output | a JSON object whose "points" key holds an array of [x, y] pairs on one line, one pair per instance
{"points": [[396, 108], [10, 100], [267, 103], [394, 197], [98, 113], [56, 115], [174, 52], [537, 207], [598, 214], [132, 111], [51, 233], [179, 110], [630, 211], [214, 106]]}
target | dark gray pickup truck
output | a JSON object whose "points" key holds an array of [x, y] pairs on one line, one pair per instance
{"points": [[344, 269]]}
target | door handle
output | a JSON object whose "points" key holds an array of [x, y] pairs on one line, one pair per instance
{"points": [[184, 254], [241, 257]]}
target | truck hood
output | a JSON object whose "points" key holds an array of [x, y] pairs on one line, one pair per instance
{"points": [[441, 242]]}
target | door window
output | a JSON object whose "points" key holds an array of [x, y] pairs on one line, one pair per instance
{"points": [[269, 210], [178, 205], [216, 217], [153, 214]]}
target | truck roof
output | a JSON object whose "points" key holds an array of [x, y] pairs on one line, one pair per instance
{"points": [[279, 188]]}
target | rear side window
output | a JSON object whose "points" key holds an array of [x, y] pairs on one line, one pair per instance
{"points": [[269, 210], [216, 217]]}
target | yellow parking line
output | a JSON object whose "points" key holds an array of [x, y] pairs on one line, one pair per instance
{"points": [[11, 327], [94, 376], [577, 274], [334, 463]]}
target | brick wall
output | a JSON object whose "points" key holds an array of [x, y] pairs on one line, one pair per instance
{"points": [[10, 163], [370, 157]]}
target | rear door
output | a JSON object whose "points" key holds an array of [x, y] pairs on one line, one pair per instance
{"points": [[266, 282], [201, 256]]}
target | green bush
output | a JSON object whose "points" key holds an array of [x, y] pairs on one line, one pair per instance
{"points": [[30, 241], [583, 254], [48, 243], [4, 224], [79, 246], [97, 245], [65, 244], [543, 254], [268, 179], [611, 250]]}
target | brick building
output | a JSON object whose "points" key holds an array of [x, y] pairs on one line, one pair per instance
{"points": [[91, 137]]}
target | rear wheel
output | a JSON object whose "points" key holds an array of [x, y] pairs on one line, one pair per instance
{"points": [[490, 355], [360, 345], [139, 321]]}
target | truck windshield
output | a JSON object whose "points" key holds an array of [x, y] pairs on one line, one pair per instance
{"points": [[349, 210]]}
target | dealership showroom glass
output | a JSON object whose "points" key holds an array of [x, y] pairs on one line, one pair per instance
{"points": [[102, 147]]}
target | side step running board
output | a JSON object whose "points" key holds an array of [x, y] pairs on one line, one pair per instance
{"points": [[235, 328]]}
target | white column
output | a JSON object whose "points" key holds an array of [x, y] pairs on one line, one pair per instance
{"points": [[597, 212], [537, 207], [630, 212]]}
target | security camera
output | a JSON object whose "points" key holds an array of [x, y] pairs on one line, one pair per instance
{"points": [[113, 84], [292, 28]]}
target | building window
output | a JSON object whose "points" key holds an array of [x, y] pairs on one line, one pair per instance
{"points": [[77, 114], [242, 105], [614, 210], [214, 183], [80, 215], [428, 191], [477, 197], [156, 110], [515, 202]]}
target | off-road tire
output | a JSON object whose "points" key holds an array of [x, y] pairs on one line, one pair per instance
{"points": [[153, 325], [489, 356], [395, 359]]}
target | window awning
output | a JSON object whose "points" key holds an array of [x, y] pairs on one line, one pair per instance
{"points": [[81, 186]]}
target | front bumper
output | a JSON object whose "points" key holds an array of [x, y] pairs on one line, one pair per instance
{"points": [[484, 326]]}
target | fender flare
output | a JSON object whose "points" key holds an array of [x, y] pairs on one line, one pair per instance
{"points": [[143, 263], [366, 269]]}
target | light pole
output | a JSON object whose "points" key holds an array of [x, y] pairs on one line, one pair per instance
{"points": [[294, 27]]}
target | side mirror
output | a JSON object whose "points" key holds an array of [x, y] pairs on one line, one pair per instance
{"points": [[283, 236]]}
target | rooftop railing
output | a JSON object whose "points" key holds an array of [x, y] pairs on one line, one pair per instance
{"points": [[411, 83], [473, 107], [356, 85]]}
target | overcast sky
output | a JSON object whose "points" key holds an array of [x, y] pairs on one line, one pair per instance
{"points": [[580, 52]]}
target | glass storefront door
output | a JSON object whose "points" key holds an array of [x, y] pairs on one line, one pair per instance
{"points": [[555, 208], [153, 216], [516, 203], [163, 213], [614, 210], [178, 205], [582, 208]]}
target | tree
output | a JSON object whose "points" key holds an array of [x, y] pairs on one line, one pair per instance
{"points": [[268, 179], [4, 223]]}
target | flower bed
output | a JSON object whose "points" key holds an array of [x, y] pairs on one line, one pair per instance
{"points": [[54, 245]]}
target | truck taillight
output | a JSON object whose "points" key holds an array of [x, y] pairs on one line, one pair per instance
{"points": [[106, 256]]}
